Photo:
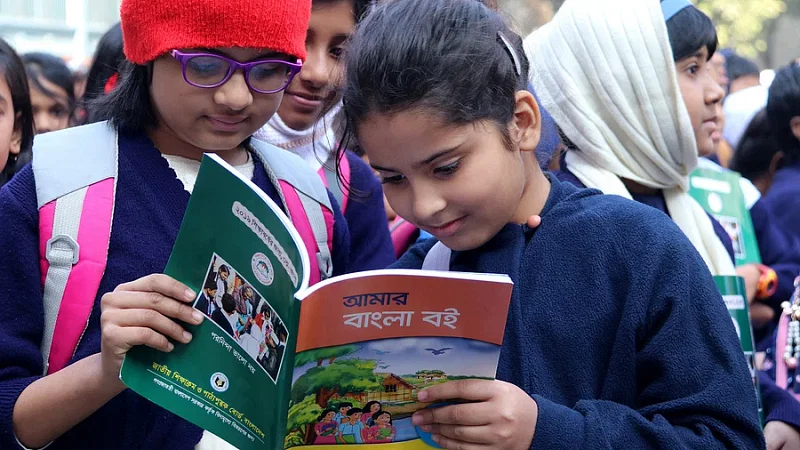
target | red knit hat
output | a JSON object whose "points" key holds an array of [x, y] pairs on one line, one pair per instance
{"points": [[151, 28]]}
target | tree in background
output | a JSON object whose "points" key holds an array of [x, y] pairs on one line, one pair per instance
{"points": [[743, 24]]}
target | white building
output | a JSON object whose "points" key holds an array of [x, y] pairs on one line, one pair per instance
{"points": [[67, 28]]}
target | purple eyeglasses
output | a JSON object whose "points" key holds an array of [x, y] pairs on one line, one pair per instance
{"points": [[207, 70]]}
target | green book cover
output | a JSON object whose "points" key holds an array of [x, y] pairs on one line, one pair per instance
{"points": [[263, 373], [733, 293], [720, 194], [235, 245]]}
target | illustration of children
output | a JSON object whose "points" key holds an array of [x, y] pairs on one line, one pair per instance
{"points": [[326, 428], [383, 431], [369, 410], [341, 416], [351, 430]]}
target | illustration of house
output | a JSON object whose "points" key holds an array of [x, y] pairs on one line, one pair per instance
{"points": [[430, 375], [394, 389]]}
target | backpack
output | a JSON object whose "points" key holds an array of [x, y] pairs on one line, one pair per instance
{"points": [[338, 185], [402, 232], [76, 173]]}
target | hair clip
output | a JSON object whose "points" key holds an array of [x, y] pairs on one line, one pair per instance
{"points": [[510, 49]]}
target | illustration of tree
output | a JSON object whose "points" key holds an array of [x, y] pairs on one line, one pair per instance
{"points": [[321, 354], [302, 417], [343, 376]]}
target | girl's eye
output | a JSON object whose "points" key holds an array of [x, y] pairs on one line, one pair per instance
{"points": [[396, 179], [336, 52], [448, 169]]}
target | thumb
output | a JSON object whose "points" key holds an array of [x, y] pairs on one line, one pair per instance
{"points": [[534, 221]]}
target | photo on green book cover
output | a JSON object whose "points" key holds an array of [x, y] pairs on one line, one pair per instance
{"points": [[236, 306]]}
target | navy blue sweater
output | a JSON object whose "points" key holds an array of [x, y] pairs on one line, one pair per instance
{"points": [[783, 199], [370, 245], [609, 329], [149, 209], [778, 404]]}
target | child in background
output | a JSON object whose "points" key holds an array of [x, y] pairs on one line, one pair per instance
{"points": [[16, 118], [306, 124], [183, 92], [52, 91], [639, 132], [604, 345], [103, 75]]}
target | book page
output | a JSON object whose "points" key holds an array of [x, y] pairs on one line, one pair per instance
{"points": [[241, 255], [369, 342]]}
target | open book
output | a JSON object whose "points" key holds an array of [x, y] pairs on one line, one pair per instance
{"points": [[262, 372]]}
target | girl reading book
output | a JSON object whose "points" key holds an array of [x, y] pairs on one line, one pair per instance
{"points": [[16, 117], [202, 76], [616, 334]]}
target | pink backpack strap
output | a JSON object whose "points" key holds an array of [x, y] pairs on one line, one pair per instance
{"points": [[402, 233], [338, 185], [307, 203], [76, 206]]}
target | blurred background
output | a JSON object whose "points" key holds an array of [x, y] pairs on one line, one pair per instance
{"points": [[767, 31]]}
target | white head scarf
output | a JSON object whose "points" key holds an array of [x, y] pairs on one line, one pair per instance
{"points": [[604, 70]]}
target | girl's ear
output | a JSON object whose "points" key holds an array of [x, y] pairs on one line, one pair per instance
{"points": [[795, 124], [775, 163], [16, 136], [526, 126]]}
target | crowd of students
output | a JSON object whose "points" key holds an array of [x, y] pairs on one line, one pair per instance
{"points": [[562, 160]]}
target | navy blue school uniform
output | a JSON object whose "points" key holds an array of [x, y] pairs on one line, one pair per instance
{"points": [[370, 242], [778, 404], [783, 199], [608, 329], [150, 205]]}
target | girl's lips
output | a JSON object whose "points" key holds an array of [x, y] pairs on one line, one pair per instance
{"points": [[226, 124], [446, 230], [304, 101]]}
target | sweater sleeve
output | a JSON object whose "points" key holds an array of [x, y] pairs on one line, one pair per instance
{"points": [[778, 251], [22, 314], [693, 387], [779, 405], [370, 242]]}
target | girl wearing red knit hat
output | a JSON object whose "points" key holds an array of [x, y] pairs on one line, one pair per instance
{"points": [[203, 76]]}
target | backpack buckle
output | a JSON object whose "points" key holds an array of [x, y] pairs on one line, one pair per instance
{"points": [[62, 250]]}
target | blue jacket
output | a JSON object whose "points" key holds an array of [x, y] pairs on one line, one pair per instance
{"points": [[783, 199], [609, 329]]}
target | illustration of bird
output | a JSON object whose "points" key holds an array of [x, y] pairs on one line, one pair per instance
{"points": [[381, 352], [438, 352], [383, 367]]}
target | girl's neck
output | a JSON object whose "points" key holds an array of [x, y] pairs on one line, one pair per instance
{"points": [[535, 192], [169, 144]]}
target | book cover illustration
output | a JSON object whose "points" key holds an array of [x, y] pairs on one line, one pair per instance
{"points": [[362, 360]]}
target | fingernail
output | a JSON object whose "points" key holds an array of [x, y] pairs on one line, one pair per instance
{"points": [[187, 336], [435, 438], [416, 419], [197, 316], [189, 294], [426, 428], [170, 346], [422, 396]]}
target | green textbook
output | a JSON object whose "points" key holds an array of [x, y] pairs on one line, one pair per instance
{"points": [[263, 373], [720, 194]]}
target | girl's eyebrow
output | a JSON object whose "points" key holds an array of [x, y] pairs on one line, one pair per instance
{"points": [[420, 164]]}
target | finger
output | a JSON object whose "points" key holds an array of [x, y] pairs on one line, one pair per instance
{"points": [[453, 444], [167, 306], [148, 318], [124, 338], [472, 414], [475, 390], [163, 284], [534, 221], [485, 434]]}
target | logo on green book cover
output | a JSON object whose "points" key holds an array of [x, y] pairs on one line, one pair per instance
{"points": [[262, 268], [219, 382]]}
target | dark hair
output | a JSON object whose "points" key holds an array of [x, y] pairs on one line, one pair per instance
{"points": [[690, 30], [756, 148], [380, 413], [344, 405], [325, 413], [352, 411], [128, 107], [53, 69], [211, 285], [108, 58], [13, 72], [224, 268], [369, 404], [228, 303], [783, 105], [445, 56], [737, 67]]}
